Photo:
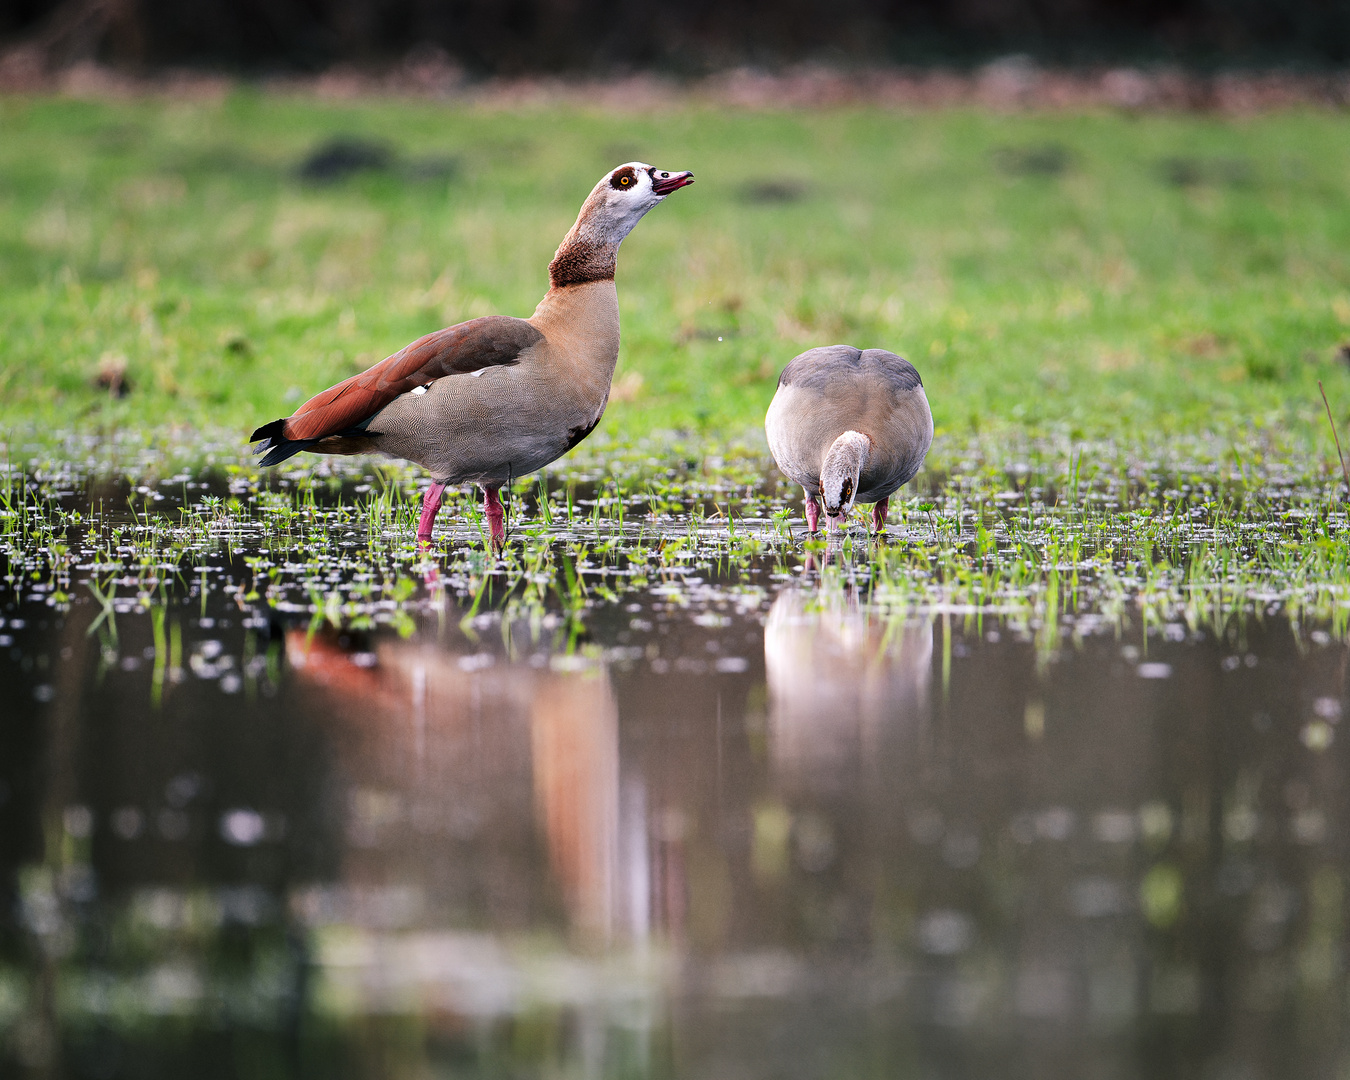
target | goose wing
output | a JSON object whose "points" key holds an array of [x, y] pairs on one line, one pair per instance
{"points": [[345, 409]]}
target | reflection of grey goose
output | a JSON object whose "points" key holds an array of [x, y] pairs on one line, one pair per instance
{"points": [[844, 682], [849, 425], [494, 398]]}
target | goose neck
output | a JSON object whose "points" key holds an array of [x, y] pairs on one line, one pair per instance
{"points": [[840, 471], [581, 323]]}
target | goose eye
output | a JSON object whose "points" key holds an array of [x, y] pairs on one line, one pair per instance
{"points": [[624, 181]]}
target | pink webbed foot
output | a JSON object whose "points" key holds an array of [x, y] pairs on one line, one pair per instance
{"points": [[431, 505], [812, 514], [879, 511], [496, 515]]}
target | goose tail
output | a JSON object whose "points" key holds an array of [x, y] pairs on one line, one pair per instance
{"points": [[275, 444]]}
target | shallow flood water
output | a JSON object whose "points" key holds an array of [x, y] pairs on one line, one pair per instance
{"points": [[740, 824]]}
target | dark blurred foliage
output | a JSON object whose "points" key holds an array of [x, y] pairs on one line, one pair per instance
{"points": [[518, 36]]}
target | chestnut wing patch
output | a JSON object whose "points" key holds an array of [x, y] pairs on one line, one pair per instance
{"points": [[471, 346]]}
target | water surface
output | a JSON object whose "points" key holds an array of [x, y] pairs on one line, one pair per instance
{"points": [[742, 821]]}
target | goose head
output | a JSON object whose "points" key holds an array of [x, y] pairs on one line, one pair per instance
{"points": [[622, 197], [839, 473]]}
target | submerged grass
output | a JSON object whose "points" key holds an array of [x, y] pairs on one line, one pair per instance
{"points": [[1055, 546]]}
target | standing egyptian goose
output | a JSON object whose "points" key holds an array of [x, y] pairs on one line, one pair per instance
{"points": [[494, 398], [849, 425]]}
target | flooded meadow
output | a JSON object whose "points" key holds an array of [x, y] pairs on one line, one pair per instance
{"points": [[1050, 781]]}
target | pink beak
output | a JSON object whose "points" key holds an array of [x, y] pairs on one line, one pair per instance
{"points": [[663, 183]]}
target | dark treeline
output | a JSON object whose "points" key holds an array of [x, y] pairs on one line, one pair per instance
{"points": [[510, 37]]}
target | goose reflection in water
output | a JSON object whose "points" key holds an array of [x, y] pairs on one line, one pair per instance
{"points": [[842, 679], [446, 755]]}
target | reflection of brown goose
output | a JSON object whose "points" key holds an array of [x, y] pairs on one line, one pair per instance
{"points": [[838, 675], [446, 742]]}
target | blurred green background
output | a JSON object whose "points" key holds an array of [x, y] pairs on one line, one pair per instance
{"points": [[169, 263]]}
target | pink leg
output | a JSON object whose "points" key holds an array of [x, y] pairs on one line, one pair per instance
{"points": [[492, 506], [431, 503], [812, 513], [879, 510]]}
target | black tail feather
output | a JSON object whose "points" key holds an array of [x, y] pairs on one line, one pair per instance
{"points": [[270, 433], [278, 447]]}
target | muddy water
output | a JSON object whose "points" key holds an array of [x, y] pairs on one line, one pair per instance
{"points": [[775, 835]]}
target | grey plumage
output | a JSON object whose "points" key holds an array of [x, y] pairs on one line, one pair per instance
{"points": [[836, 389], [817, 368]]}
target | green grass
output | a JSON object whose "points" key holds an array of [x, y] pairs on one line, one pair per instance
{"points": [[1106, 301]]}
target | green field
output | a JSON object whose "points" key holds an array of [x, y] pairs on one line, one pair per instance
{"points": [[1091, 276]]}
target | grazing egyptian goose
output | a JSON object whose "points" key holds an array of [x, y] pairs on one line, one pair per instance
{"points": [[494, 398], [849, 425]]}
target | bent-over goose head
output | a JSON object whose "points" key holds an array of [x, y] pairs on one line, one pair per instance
{"points": [[839, 473]]}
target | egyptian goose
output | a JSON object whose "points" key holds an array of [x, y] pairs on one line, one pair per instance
{"points": [[849, 425], [493, 398]]}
